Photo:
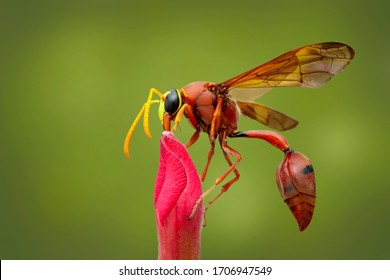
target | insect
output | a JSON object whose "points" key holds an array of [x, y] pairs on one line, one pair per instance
{"points": [[215, 108]]}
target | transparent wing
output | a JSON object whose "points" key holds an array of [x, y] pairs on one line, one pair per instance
{"points": [[266, 115], [310, 66], [247, 94]]}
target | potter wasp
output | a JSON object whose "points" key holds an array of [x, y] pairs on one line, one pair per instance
{"points": [[215, 108]]}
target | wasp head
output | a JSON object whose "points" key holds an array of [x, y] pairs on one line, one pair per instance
{"points": [[170, 103]]}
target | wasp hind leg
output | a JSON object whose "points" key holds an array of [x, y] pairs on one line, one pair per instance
{"points": [[228, 151]]}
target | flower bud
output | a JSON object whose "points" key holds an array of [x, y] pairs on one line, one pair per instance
{"points": [[177, 188]]}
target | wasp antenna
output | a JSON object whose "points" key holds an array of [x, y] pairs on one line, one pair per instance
{"points": [[146, 116], [130, 132], [147, 109]]}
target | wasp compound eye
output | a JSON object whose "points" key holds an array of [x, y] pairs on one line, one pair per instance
{"points": [[172, 102]]}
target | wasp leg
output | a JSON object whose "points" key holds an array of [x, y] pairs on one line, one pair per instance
{"points": [[214, 127], [216, 122], [209, 157], [193, 138], [178, 117], [194, 122], [227, 151], [232, 167]]}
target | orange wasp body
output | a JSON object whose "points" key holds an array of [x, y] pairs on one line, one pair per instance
{"points": [[215, 108]]}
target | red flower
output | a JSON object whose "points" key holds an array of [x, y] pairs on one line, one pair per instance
{"points": [[296, 183], [177, 188]]}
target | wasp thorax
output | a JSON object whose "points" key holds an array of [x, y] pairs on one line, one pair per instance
{"points": [[172, 102]]}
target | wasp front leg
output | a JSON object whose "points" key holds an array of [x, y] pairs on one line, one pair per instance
{"points": [[194, 123], [193, 138], [178, 117]]}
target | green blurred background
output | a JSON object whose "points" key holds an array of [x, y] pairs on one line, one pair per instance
{"points": [[74, 74]]}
